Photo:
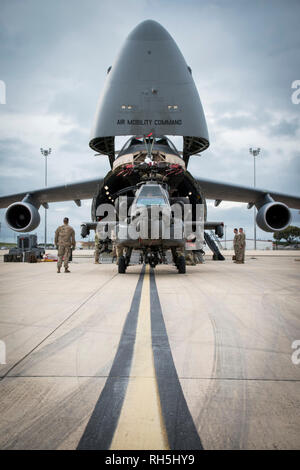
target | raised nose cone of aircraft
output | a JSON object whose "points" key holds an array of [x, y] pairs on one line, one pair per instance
{"points": [[149, 30], [148, 89]]}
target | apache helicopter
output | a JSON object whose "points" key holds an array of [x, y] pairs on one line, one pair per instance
{"points": [[153, 170], [150, 94]]}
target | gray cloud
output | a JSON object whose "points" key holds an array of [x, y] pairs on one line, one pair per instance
{"points": [[284, 127]]}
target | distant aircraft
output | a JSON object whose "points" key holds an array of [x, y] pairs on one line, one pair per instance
{"points": [[150, 94]]}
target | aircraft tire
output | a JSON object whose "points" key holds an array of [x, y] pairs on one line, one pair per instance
{"points": [[122, 265], [181, 265]]}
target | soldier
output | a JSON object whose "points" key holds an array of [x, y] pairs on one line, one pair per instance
{"points": [[235, 244], [64, 240], [190, 258], [113, 238], [97, 248], [242, 237]]}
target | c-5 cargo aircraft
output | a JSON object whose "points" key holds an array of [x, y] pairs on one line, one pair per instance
{"points": [[149, 94]]}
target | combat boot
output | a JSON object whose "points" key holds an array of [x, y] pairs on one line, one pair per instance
{"points": [[58, 270], [67, 271]]}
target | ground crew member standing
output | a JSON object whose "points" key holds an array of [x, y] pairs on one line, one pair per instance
{"points": [[190, 258], [242, 237], [64, 240], [97, 248], [236, 244], [113, 238]]}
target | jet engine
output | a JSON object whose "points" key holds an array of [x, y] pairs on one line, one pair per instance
{"points": [[273, 217], [22, 217]]}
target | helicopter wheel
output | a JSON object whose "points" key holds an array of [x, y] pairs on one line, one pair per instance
{"points": [[181, 265], [122, 265]]}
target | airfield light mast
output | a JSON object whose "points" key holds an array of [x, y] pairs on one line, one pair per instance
{"points": [[46, 153], [255, 153]]}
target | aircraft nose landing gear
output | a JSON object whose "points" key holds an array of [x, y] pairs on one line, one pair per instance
{"points": [[152, 259]]}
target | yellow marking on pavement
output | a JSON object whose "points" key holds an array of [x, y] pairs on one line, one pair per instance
{"points": [[141, 424]]}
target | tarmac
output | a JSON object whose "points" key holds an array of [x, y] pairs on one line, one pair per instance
{"points": [[151, 359]]}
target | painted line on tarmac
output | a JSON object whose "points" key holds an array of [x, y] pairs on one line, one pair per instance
{"points": [[142, 405], [181, 430], [100, 429], [141, 426]]}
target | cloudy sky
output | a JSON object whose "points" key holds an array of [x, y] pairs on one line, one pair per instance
{"points": [[53, 59]]}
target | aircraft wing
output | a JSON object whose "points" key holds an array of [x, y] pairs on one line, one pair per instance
{"points": [[66, 192], [233, 192]]}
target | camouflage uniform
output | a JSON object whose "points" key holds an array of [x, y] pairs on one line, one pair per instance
{"points": [[114, 247], [236, 246], [190, 258], [97, 248], [64, 239], [242, 236], [239, 244]]}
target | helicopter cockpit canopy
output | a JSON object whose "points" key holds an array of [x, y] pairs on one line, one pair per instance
{"points": [[151, 195]]}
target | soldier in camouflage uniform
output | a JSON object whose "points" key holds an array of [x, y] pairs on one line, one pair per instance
{"points": [[239, 244], [236, 244], [97, 248], [190, 258], [113, 238], [242, 240], [64, 240]]}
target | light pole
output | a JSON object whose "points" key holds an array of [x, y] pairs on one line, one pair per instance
{"points": [[254, 152], [46, 153]]}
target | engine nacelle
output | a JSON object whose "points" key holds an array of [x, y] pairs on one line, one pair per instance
{"points": [[22, 217], [273, 217]]}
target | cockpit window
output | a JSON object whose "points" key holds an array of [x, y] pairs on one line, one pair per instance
{"points": [[132, 142], [151, 196], [162, 144], [149, 190], [150, 201]]}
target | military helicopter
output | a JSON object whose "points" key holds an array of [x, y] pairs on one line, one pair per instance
{"points": [[149, 214]]}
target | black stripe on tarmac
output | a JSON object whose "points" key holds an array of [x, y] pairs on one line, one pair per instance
{"points": [[180, 427], [101, 427]]}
